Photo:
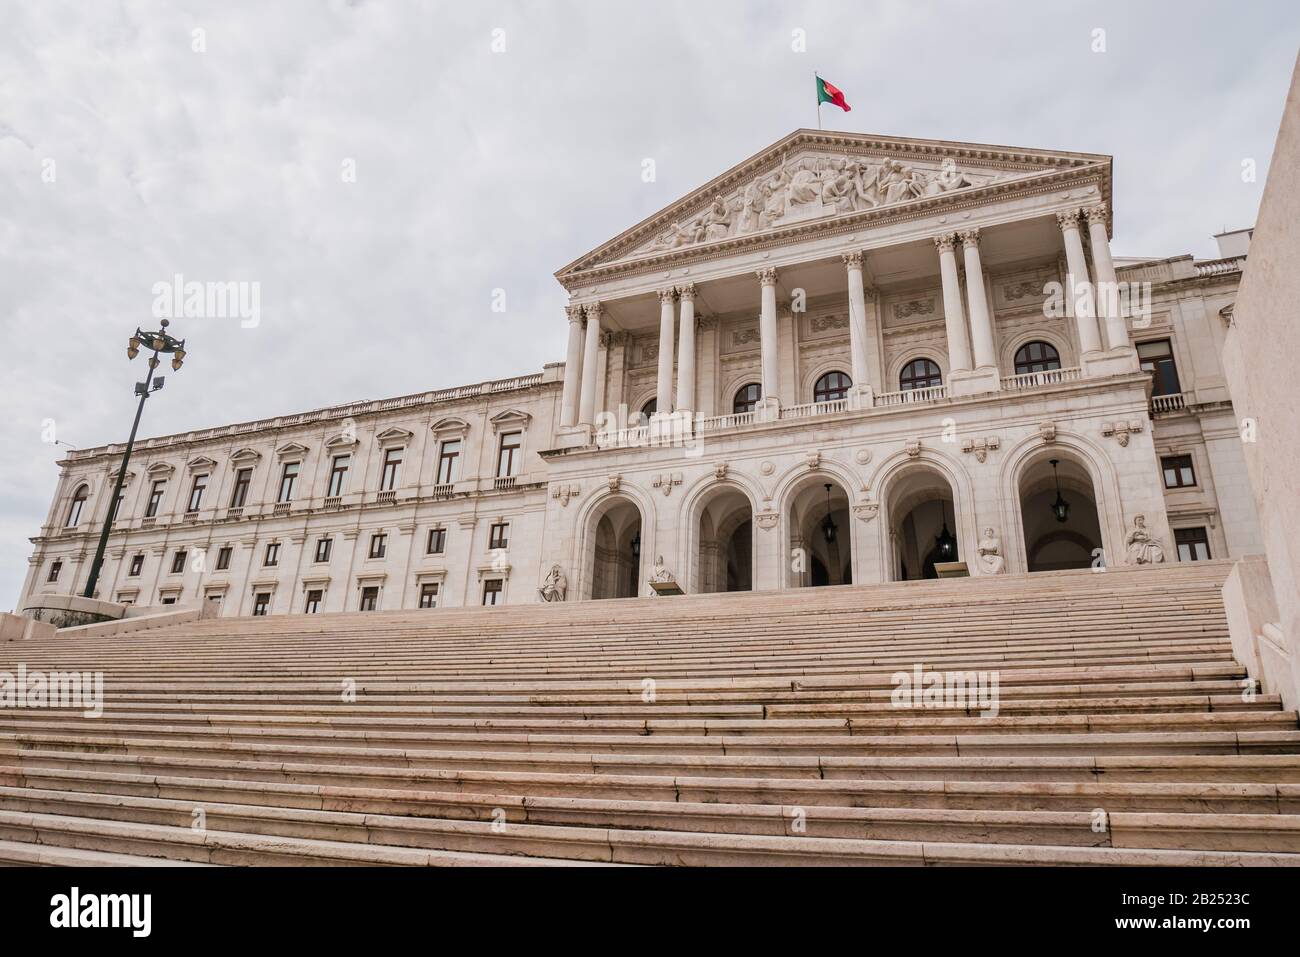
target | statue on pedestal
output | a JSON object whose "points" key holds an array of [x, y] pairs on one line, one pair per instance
{"points": [[989, 551], [555, 587], [1142, 548]]}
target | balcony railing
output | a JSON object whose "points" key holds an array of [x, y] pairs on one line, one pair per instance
{"points": [[504, 482], [712, 423], [281, 508], [387, 495], [809, 409], [1174, 402], [1036, 380], [443, 491], [333, 501], [889, 400], [235, 511]]}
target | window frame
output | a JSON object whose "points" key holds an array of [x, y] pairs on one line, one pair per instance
{"points": [[740, 400], [77, 506], [369, 593], [1191, 537], [429, 593], [1178, 468], [178, 559], [1050, 361], [288, 482], [243, 481], [271, 557], [437, 536], [913, 382], [824, 392], [261, 604], [314, 598], [136, 568], [510, 456], [499, 536], [1164, 368], [223, 558], [197, 487], [156, 493], [498, 592], [378, 545], [448, 462], [56, 569], [338, 474], [327, 543], [390, 472]]}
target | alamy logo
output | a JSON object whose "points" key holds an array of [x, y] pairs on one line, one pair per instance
{"points": [[971, 690], [53, 689], [134, 911], [179, 299]]}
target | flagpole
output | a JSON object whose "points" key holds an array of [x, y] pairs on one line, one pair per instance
{"points": [[819, 102]]}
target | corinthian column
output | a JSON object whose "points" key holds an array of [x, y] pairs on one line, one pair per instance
{"points": [[686, 350], [857, 319], [572, 369], [954, 316], [1107, 298], [1077, 281], [664, 384], [981, 326], [768, 347], [587, 403]]}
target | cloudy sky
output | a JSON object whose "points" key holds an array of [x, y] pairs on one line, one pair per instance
{"points": [[492, 143]]}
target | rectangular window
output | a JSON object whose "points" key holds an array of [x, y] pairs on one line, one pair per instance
{"points": [[243, 479], [448, 462], [392, 466], [196, 493], [338, 472], [323, 548], [437, 541], [509, 454], [178, 562], [1178, 471], [492, 591], [117, 507], [55, 568], [313, 601], [429, 595], [288, 481], [262, 603], [499, 535], [370, 598], [1193, 544], [272, 554], [155, 498], [378, 545], [169, 600], [223, 558], [137, 565], [1157, 358]]}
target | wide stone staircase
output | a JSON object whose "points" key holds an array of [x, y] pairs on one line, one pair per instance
{"points": [[751, 729]]}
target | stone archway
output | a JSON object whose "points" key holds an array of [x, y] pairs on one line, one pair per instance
{"points": [[613, 549], [1052, 544], [724, 559], [922, 521], [820, 550]]}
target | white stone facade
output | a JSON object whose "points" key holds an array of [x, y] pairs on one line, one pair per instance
{"points": [[822, 274]]}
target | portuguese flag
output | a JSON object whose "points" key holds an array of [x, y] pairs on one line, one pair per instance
{"points": [[828, 93]]}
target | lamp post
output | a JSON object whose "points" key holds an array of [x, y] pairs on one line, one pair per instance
{"points": [[161, 343]]}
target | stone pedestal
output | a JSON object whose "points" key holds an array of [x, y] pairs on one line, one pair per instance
{"points": [[1120, 361], [68, 611], [973, 382]]}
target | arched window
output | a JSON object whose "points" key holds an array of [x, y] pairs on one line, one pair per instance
{"points": [[746, 398], [74, 510], [831, 387], [920, 374], [650, 408], [1037, 356]]}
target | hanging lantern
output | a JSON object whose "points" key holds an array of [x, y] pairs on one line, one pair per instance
{"points": [[944, 542], [636, 545], [828, 524], [1060, 508]]}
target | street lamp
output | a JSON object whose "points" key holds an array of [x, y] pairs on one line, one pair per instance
{"points": [[160, 343]]}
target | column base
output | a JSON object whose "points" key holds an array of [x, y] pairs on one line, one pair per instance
{"points": [[1121, 361], [973, 381], [573, 436], [861, 397], [769, 410]]}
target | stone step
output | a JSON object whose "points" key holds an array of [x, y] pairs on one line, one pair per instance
{"points": [[14, 853]]}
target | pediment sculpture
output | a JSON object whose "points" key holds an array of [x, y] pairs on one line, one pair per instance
{"points": [[810, 187]]}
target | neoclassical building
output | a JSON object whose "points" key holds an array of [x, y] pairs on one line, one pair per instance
{"points": [[849, 358]]}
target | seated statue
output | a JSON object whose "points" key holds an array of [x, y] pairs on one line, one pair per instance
{"points": [[990, 557], [661, 573], [1142, 548], [555, 587]]}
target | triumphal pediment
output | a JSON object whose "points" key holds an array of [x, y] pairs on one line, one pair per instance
{"points": [[811, 178]]}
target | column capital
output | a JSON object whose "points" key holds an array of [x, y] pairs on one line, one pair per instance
{"points": [[667, 295], [945, 242], [1068, 219], [969, 238], [592, 311], [852, 260], [686, 291], [574, 312], [767, 275], [1096, 214]]}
